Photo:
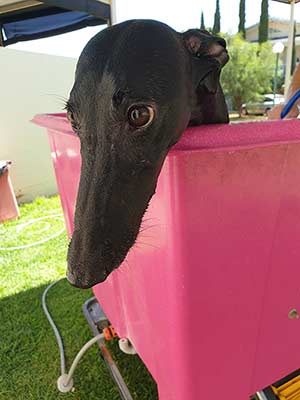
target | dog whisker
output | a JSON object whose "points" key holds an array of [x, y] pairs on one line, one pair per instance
{"points": [[147, 244]]}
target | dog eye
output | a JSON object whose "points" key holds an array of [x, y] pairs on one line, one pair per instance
{"points": [[140, 116], [72, 121]]}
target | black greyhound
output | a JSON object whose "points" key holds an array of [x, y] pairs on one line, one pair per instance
{"points": [[138, 85]]}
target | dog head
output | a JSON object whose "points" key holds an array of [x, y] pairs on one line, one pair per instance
{"points": [[137, 86]]}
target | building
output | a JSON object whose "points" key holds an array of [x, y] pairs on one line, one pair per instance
{"points": [[278, 32], [30, 84]]}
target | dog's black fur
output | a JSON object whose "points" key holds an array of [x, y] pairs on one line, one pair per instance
{"points": [[138, 85]]}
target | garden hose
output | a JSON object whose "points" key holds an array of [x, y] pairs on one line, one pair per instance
{"points": [[287, 108], [65, 381], [37, 243], [56, 331]]}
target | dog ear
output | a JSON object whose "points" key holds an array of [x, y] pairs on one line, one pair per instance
{"points": [[192, 43], [205, 69], [211, 81], [206, 74], [211, 106], [197, 41]]}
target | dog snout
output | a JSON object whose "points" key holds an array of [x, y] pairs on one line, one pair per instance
{"points": [[84, 281]]}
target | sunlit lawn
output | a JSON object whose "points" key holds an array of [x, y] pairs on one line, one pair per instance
{"points": [[234, 117], [29, 358]]}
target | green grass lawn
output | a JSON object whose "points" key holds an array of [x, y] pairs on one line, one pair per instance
{"points": [[29, 357]]}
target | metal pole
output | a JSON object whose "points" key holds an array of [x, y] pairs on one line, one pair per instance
{"points": [[113, 12], [289, 50], [261, 396], [275, 78]]}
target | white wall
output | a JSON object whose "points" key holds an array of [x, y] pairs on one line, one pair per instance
{"points": [[30, 84]]}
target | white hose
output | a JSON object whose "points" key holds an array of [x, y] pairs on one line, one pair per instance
{"points": [[81, 353], [54, 327], [22, 226], [65, 381]]}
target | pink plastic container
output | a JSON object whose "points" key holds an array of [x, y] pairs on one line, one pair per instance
{"points": [[8, 204], [206, 294]]}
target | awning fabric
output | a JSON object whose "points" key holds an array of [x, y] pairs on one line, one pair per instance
{"points": [[44, 21], [286, 1]]}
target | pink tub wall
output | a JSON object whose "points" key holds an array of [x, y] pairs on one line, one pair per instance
{"points": [[8, 204], [205, 295]]}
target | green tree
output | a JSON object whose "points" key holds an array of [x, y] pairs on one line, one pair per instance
{"points": [[249, 72], [242, 14], [202, 21], [217, 20], [263, 32]]}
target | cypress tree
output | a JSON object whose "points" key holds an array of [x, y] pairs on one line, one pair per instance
{"points": [[263, 32], [202, 21], [217, 21], [242, 14], [293, 66]]}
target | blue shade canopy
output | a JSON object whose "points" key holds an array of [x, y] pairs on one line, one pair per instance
{"points": [[41, 19]]}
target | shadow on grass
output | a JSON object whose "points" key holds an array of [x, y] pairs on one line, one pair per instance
{"points": [[29, 357]]}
